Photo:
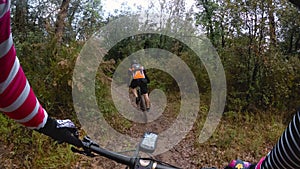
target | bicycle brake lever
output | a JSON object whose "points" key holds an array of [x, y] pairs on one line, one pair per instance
{"points": [[88, 142]]}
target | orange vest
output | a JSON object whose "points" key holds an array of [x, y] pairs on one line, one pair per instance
{"points": [[137, 71]]}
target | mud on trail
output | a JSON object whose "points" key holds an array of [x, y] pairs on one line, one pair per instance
{"points": [[182, 155], [187, 154]]}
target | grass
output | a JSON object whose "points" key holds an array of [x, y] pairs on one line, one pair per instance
{"points": [[247, 136], [24, 148]]}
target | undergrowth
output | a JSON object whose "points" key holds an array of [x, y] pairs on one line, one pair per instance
{"points": [[24, 148], [247, 136], [237, 135]]}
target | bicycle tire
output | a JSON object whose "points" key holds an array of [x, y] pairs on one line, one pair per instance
{"points": [[142, 105]]}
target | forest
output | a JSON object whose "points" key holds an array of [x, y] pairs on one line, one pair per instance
{"points": [[258, 43]]}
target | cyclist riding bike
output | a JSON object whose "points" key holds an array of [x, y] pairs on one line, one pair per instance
{"points": [[138, 78], [17, 99], [18, 102]]}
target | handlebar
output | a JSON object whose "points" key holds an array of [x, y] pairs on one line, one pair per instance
{"points": [[90, 147], [120, 158]]}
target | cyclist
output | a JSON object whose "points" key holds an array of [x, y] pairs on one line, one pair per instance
{"points": [[138, 77], [17, 100], [286, 153]]}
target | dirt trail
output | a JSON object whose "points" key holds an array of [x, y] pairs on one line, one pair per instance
{"points": [[183, 155], [186, 154]]}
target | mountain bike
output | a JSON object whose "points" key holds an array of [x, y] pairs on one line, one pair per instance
{"points": [[139, 104], [146, 145]]}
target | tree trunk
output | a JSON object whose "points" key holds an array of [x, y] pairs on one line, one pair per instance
{"points": [[60, 22], [272, 24], [20, 19]]}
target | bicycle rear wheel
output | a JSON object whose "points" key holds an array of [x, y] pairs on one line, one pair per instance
{"points": [[142, 103], [143, 108]]}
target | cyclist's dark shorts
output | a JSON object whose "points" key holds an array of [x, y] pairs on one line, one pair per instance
{"points": [[140, 82]]}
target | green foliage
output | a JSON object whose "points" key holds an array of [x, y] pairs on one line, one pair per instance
{"points": [[261, 75], [51, 76], [106, 104], [235, 135], [30, 149]]}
